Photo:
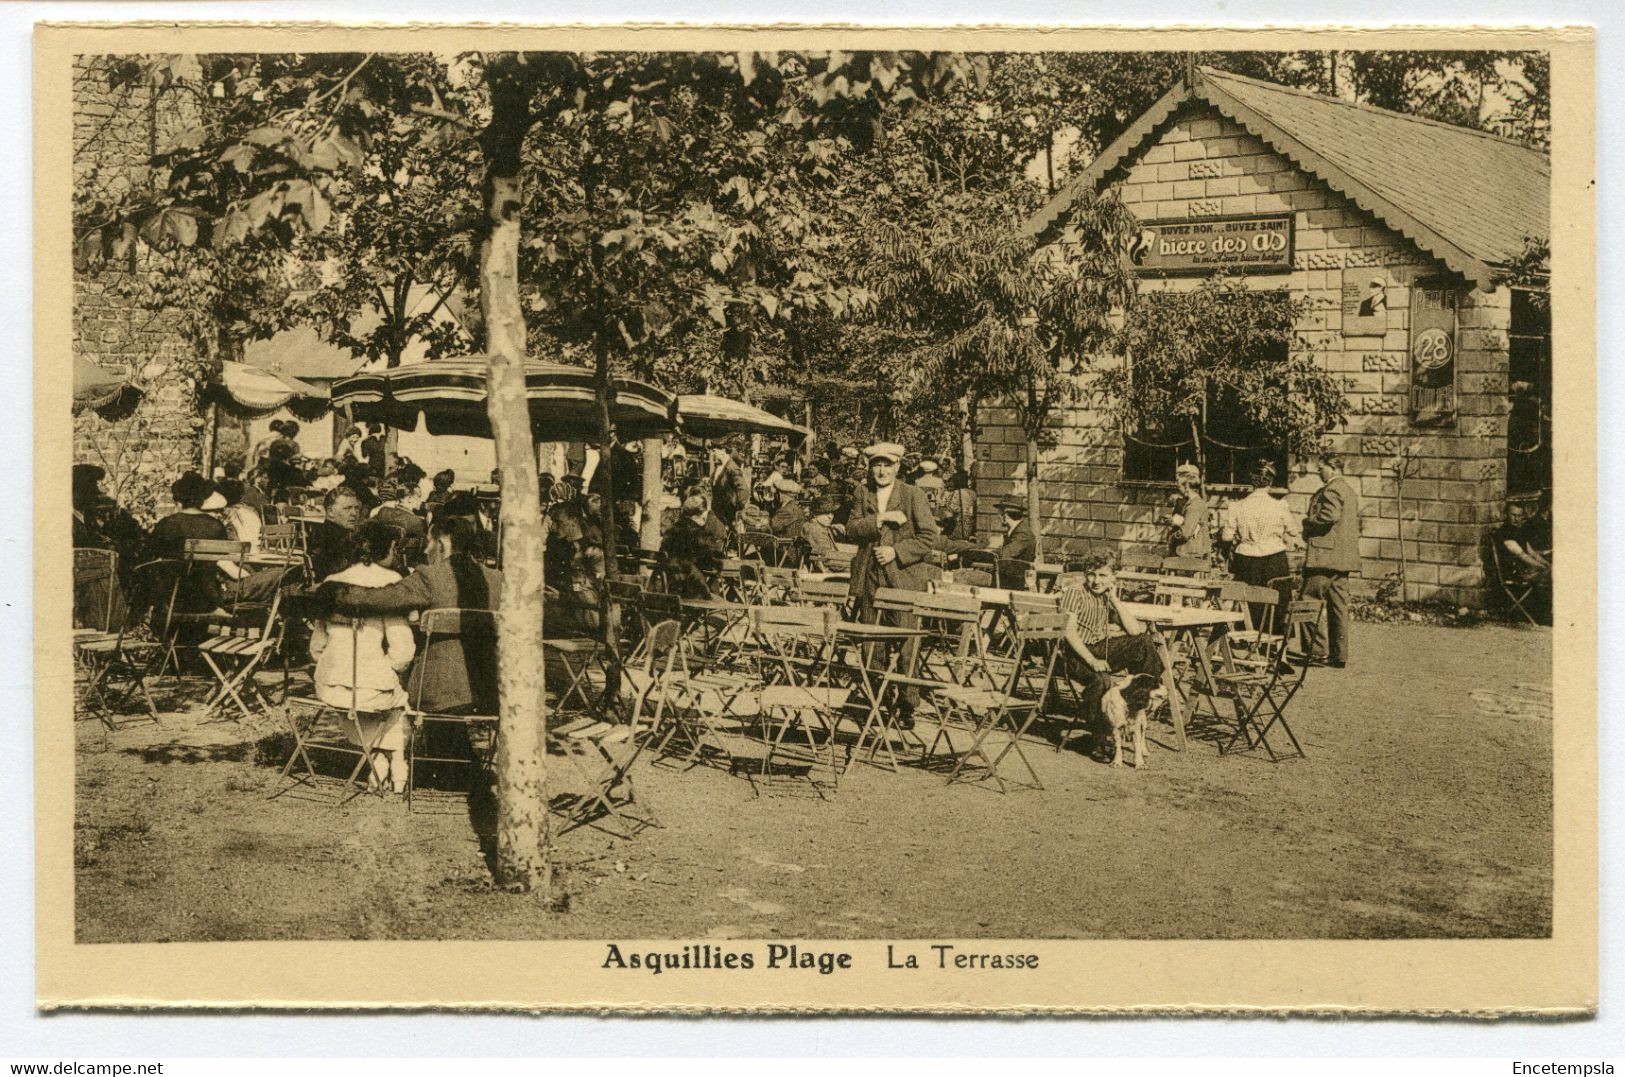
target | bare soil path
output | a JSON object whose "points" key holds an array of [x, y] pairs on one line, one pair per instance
{"points": [[1424, 810]]}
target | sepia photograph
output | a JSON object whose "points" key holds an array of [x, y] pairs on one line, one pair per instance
{"points": [[950, 497]]}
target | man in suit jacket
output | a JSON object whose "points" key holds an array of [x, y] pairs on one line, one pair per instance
{"points": [[1331, 530], [457, 674], [1020, 544], [892, 524]]}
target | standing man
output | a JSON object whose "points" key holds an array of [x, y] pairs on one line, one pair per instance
{"points": [[892, 524], [1331, 529], [728, 493]]}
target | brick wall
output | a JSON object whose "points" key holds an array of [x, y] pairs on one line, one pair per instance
{"points": [[114, 132], [1206, 166]]}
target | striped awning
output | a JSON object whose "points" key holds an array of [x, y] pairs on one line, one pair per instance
{"points": [[706, 416], [450, 396], [257, 391], [95, 387]]}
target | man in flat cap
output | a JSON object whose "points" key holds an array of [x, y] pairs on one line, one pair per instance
{"points": [[788, 516], [892, 524]]}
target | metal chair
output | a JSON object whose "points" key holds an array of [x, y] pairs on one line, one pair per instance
{"points": [[1255, 692], [448, 737], [984, 710], [235, 652], [1174, 565], [95, 585], [319, 727]]}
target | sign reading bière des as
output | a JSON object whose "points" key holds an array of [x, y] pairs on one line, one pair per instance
{"points": [[1249, 244]]}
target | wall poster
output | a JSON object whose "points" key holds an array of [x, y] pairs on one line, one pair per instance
{"points": [[1433, 355], [1365, 302]]}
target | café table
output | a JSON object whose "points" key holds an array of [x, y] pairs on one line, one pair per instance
{"points": [[713, 618], [1173, 623]]}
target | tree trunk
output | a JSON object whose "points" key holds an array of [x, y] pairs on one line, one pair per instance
{"points": [[609, 609], [1033, 499], [967, 435], [1032, 425], [653, 488], [524, 859]]}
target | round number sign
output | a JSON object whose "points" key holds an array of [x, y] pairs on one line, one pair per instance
{"points": [[1431, 349]]}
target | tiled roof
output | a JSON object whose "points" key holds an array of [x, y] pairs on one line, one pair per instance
{"points": [[1466, 197]]}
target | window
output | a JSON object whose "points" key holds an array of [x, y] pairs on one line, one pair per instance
{"points": [[1231, 444], [1529, 389]]}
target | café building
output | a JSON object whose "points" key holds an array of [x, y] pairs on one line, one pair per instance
{"points": [[1400, 233]]}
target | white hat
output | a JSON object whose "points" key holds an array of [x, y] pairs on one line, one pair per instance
{"points": [[884, 450], [214, 503]]}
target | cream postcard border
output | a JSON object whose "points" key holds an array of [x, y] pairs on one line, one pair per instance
{"points": [[1556, 976]]}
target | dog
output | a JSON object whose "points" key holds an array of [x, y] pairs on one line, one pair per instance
{"points": [[1125, 706]]}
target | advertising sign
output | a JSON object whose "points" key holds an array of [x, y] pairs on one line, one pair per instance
{"points": [[1365, 302], [1245, 244], [1433, 356]]}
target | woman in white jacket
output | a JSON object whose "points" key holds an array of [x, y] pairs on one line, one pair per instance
{"points": [[359, 661]]}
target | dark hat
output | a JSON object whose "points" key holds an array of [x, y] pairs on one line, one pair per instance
{"points": [[87, 475], [191, 489], [826, 504], [1011, 504]]}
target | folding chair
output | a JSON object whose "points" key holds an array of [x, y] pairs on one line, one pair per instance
{"points": [[1141, 560], [602, 754], [1014, 574], [1254, 692], [950, 655], [436, 733], [760, 546], [579, 656], [113, 667], [1198, 567], [235, 652], [952, 644], [95, 583], [333, 731], [797, 696], [1194, 593], [196, 571], [281, 538], [777, 586], [984, 710], [1518, 587], [832, 594]]}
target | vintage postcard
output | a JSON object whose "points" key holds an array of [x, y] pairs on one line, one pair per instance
{"points": [[813, 519]]}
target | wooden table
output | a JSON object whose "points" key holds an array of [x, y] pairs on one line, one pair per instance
{"points": [[1171, 623]]}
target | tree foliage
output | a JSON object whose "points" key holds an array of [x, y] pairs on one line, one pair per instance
{"points": [[1224, 344]]}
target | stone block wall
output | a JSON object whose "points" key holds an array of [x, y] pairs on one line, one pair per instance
{"points": [[1204, 165], [115, 131]]}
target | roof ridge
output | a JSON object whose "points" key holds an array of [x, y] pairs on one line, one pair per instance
{"points": [[1377, 110]]}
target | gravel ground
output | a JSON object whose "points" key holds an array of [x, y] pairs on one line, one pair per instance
{"points": [[1424, 810]]}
